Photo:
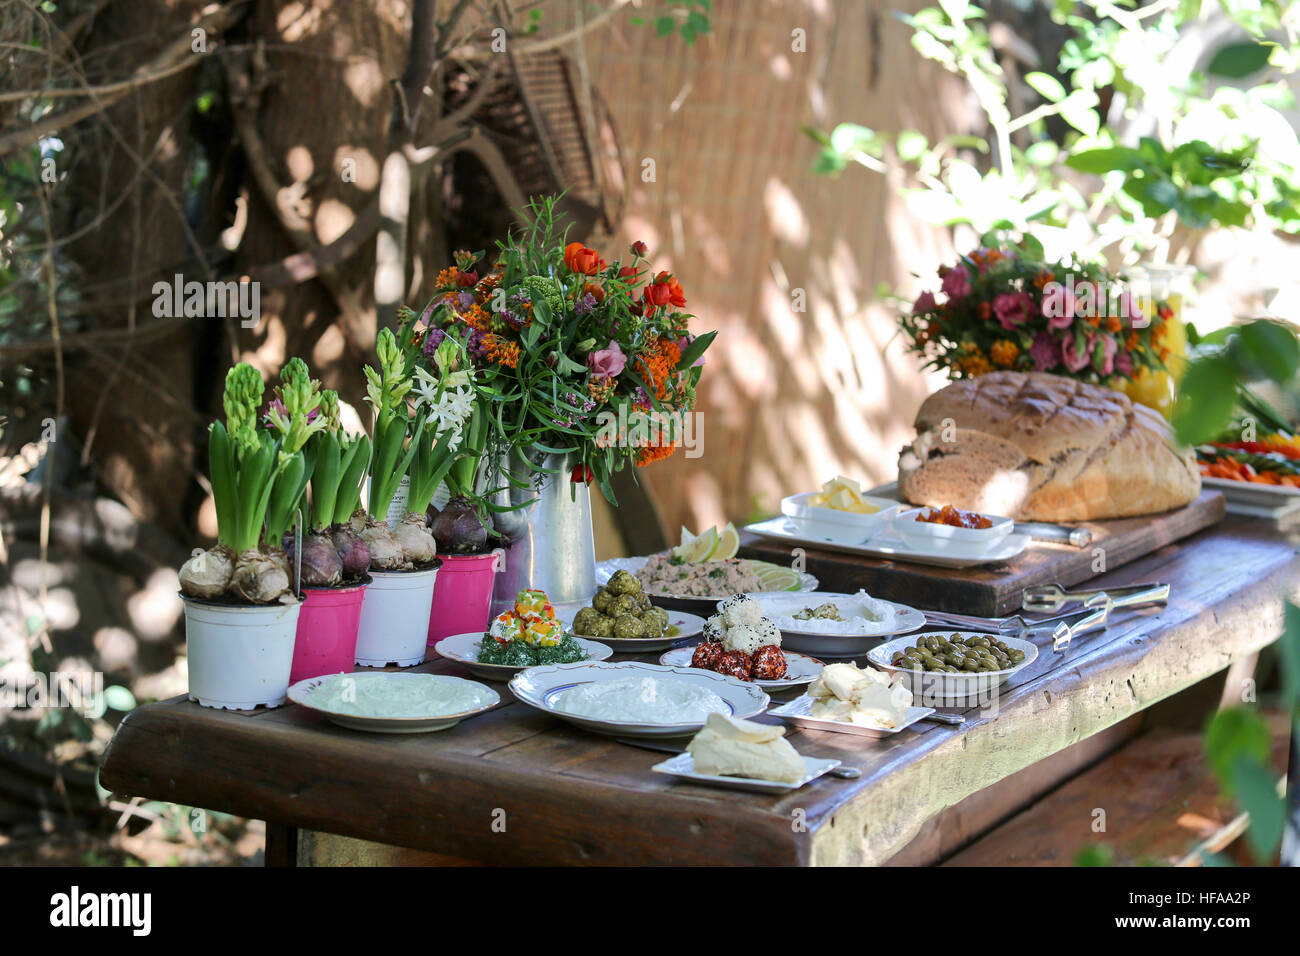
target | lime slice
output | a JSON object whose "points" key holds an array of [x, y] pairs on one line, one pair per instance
{"points": [[773, 577], [698, 548], [728, 544], [687, 537]]}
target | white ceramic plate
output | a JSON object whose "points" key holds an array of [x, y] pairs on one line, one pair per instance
{"points": [[946, 538], [816, 519], [1256, 500], [688, 626], [799, 669], [886, 544], [799, 713], [605, 570], [308, 693], [683, 766], [787, 605], [463, 648], [539, 686], [949, 690]]}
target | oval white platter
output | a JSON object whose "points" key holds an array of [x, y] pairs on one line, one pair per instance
{"points": [[463, 648], [799, 669], [540, 686], [417, 720], [605, 570], [813, 637], [688, 626], [948, 690]]}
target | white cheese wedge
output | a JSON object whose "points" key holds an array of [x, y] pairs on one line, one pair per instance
{"points": [[727, 747], [848, 694]]}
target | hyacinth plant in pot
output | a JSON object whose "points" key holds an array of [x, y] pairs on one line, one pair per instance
{"points": [[596, 369], [403, 560], [457, 399], [334, 568], [241, 614]]}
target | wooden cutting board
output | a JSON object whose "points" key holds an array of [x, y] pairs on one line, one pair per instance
{"points": [[994, 589]]}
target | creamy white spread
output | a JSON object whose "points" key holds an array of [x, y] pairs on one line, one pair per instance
{"points": [[641, 700], [395, 695]]}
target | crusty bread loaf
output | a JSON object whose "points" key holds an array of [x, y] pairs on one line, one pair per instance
{"points": [[1046, 448]]}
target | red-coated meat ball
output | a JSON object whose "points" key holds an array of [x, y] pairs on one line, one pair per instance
{"points": [[769, 663], [706, 654], [733, 663]]}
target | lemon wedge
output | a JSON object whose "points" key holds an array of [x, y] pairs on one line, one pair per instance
{"points": [[728, 544], [698, 548]]}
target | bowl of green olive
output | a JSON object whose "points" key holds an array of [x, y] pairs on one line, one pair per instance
{"points": [[953, 668]]}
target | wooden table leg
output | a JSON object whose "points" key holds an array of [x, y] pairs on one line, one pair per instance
{"points": [[281, 844]]}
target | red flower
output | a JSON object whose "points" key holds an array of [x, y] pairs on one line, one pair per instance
{"points": [[582, 474], [582, 260], [639, 249], [467, 279], [663, 291]]}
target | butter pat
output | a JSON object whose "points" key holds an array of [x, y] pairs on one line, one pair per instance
{"points": [[843, 494], [727, 747], [849, 695]]}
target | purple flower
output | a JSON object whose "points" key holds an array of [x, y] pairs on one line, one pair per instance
{"points": [[1045, 352], [1059, 306], [1012, 309], [432, 339], [1108, 348], [585, 304], [608, 362], [465, 300], [474, 345], [956, 284], [924, 303], [1074, 358]]}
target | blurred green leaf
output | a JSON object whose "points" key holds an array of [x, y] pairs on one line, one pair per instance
{"points": [[119, 698], [1234, 733], [1206, 399], [1047, 86], [1237, 60], [1270, 347], [1256, 789]]}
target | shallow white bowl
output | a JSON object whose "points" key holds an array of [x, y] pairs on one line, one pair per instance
{"points": [[927, 535], [831, 522], [938, 689]]}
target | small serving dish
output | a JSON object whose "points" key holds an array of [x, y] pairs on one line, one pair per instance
{"points": [[681, 627], [463, 648], [833, 522], [931, 536], [950, 690], [800, 669], [400, 703], [799, 713], [683, 767]]}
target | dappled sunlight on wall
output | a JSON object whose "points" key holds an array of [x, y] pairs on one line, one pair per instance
{"points": [[806, 379]]}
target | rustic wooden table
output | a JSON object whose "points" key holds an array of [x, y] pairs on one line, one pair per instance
{"points": [[518, 787]]}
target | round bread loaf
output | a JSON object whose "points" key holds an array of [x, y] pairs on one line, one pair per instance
{"points": [[1046, 448]]}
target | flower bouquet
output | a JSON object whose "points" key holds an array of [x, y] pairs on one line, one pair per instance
{"points": [[592, 360], [1000, 310]]}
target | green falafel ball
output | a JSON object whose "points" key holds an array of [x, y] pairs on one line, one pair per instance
{"points": [[627, 627], [623, 583], [600, 601], [602, 627], [584, 620], [623, 604]]}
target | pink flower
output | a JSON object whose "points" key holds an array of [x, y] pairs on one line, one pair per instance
{"points": [[1059, 306], [1108, 348], [1074, 359], [956, 284], [1124, 364], [1045, 352], [1130, 312], [685, 341], [608, 362], [924, 303], [1012, 309]]}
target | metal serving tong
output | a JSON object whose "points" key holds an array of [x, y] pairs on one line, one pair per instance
{"points": [[1045, 598], [1061, 628]]}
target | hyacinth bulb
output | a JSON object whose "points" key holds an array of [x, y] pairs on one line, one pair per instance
{"points": [[208, 573]]}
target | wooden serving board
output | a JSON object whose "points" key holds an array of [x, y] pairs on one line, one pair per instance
{"points": [[994, 589]]}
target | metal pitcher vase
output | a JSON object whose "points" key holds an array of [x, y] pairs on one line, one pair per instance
{"points": [[552, 546]]}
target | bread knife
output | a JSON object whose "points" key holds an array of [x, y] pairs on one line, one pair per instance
{"points": [[1064, 534]]}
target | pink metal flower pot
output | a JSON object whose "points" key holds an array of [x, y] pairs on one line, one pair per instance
{"points": [[462, 596], [327, 632]]}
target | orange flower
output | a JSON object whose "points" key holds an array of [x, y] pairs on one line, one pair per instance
{"points": [[595, 291], [1113, 323], [1131, 342], [500, 350], [446, 277], [663, 290], [984, 311], [1043, 278], [582, 260], [1004, 353], [649, 454]]}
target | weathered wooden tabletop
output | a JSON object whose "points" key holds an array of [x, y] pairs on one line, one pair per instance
{"points": [[566, 796]]}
